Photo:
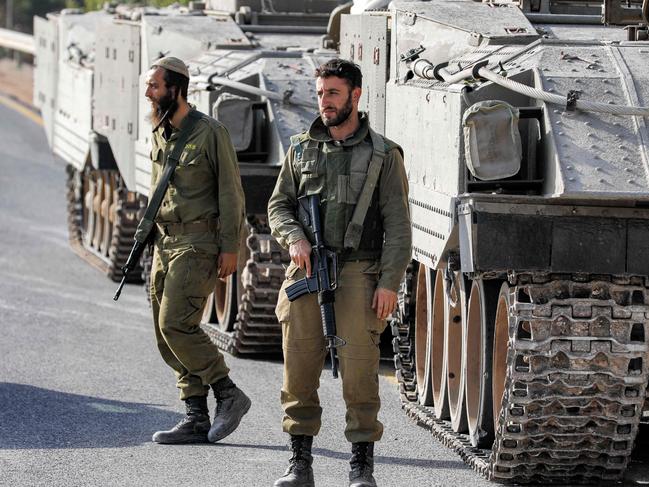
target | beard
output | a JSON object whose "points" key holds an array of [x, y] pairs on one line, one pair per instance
{"points": [[341, 115], [161, 106]]}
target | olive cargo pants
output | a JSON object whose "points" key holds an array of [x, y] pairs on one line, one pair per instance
{"points": [[181, 281], [304, 354]]}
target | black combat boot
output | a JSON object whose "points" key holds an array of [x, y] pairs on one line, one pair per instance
{"points": [[192, 428], [299, 472], [231, 405], [362, 464]]}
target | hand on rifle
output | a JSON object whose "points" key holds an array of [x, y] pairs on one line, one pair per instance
{"points": [[384, 302], [227, 264], [300, 253]]}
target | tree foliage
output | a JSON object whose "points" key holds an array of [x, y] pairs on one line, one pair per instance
{"points": [[97, 4], [24, 10]]}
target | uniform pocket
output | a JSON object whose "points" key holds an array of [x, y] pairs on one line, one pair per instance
{"points": [[195, 307], [309, 168], [311, 177], [375, 326], [350, 187], [283, 308], [189, 158], [293, 272], [156, 155], [200, 275]]}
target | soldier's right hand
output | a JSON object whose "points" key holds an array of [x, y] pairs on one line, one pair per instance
{"points": [[300, 253]]}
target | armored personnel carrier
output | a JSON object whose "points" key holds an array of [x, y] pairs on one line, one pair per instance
{"points": [[251, 67], [523, 331]]}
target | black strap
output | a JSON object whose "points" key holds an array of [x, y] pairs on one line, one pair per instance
{"points": [[145, 226]]}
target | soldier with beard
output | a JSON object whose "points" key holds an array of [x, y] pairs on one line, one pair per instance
{"points": [[197, 241], [365, 219]]}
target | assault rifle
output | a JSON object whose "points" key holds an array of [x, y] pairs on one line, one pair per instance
{"points": [[323, 279], [146, 228], [131, 262]]}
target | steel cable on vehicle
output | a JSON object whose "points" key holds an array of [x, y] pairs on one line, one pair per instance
{"points": [[253, 90], [587, 106]]}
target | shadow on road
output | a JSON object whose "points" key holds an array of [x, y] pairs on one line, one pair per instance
{"points": [[379, 459], [33, 417]]}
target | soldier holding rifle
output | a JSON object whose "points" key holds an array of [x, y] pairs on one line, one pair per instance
{"points": [[361, 186], [194, 220]]}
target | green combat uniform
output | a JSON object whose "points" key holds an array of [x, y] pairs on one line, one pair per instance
{"points": [[316, 164], [200, 216]]}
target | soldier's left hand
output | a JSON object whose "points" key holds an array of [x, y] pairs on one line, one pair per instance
{"points": [[227, 264], [384, 302]]}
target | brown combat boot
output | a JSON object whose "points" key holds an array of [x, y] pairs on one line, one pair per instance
{"points": [[231, 405], [299, 472], [362, 465], [192, 428]]}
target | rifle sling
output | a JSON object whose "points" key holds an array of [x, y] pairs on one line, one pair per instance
{"points": [[355, 227], [145, 226]]}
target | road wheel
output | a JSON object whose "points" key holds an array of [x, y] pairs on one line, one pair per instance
{"points": [[481, 314], [438, 357], [108, 208], [89, 217], [455, 331], [223, 305], [97, 209], [500, 350], [423, 335]]}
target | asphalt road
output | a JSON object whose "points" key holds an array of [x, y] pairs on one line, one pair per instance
{"points": [[82, 387]]}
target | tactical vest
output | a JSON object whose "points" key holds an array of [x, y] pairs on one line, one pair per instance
{"points": [[352, 197]]}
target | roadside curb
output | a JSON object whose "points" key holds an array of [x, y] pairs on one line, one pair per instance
{"points": [[20, 102], [17, 105]]}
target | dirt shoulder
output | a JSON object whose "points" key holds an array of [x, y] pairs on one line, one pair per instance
{"points": [[16, 81]]}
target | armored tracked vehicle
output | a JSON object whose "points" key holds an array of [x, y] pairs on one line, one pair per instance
{"points": [[522, 338], [251, 67]]}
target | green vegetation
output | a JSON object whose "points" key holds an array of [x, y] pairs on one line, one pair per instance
{"points": [[97, 4], [24, 10]]}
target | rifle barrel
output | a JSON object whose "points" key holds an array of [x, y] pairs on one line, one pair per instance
{"points": [[121, 285]]}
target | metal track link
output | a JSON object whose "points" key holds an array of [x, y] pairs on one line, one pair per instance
{"points": [[576, 384], [256, 330], [476, 458], [122, 240], [576, 381], [403, 341]]}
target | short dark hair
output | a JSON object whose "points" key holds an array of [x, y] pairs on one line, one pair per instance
{"points": [[341, 68], [181, 82]]}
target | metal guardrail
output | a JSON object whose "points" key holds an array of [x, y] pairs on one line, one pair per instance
{"points": [[17, 41]]}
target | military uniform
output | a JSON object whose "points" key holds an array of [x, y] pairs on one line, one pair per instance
{"points": [[316, 164], [201, 215]]}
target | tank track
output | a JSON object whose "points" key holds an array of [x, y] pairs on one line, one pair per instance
{"points": [[122, 240], [403, 342], [575, 387], [256, 330], [123, 230]]}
